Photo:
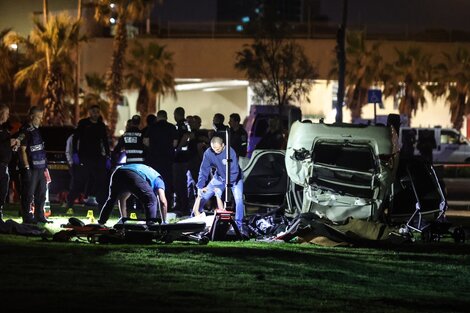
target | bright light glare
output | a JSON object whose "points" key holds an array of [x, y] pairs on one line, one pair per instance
{"points": [[188, 80], [13, 46], [214, 84], [214, 89], [112, 20], [330, 117], [112, 5]]}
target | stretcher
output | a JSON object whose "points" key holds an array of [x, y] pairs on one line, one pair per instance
{"points": [[132, 231]]}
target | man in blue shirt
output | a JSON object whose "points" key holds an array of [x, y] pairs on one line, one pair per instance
{"points": [[215, 156], [144, 183]]}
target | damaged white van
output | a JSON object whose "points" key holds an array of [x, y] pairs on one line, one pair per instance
{"points": [[345, 170]]}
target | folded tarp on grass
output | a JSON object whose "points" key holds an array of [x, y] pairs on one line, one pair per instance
{"points": [[12, 227]]}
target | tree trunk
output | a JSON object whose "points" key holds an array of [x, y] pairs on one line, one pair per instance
{"points": [[357, 102], [114, 81], [341, 55], [45, 11], [55, 111], [143, 103], [152, 104], [457, 115], [76, 116]]}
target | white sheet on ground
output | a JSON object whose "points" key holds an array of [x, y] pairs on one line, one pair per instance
{"points": [[208, 219]]}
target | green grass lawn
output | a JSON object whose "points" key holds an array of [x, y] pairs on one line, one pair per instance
{"points": [[247, 276]]}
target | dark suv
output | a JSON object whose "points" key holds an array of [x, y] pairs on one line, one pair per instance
{"points": [[55, 138]]}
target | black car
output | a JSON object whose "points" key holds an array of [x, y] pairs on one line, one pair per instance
{"points": [[55, 138]]}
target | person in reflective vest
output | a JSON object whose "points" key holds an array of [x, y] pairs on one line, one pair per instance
{"points": [[130, 149], [131, 144], [33, 165]]}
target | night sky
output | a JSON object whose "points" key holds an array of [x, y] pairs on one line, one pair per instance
{"points": [[430, 14]]}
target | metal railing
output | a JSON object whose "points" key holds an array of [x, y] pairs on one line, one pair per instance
{"points": [[307, 30]]}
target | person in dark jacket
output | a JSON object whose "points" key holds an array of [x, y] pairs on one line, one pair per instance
{"points": [[149, 120], [219, 129], [238, 135], [91, 153], [33, 167], [408, 144], [426, 144], [143, 182], [215, 156], [6, 145], [198, 143], [161, 150], [274, 137], [181, 164]]}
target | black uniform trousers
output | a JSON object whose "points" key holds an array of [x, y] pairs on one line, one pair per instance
{"points": [[4, 181], [33, 190], [123, 181], [92, 176]]}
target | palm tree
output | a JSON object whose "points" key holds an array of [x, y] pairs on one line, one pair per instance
{"points": [[32, 68], [274, 64], [121, 11], [49, 73], [364, 67], [151, 70], [404, 79], [7, 63], [341, 57], [279, 69], [453, 79], [77, 69]]}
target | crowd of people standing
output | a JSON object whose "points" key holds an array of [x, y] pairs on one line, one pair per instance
{"points": [[185, 158]]}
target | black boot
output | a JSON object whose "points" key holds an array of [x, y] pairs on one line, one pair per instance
{"points": [[40, 218], [28, 218]]}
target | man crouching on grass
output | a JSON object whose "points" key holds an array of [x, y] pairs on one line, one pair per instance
{"points": [[215, 157], [144, 183]]}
